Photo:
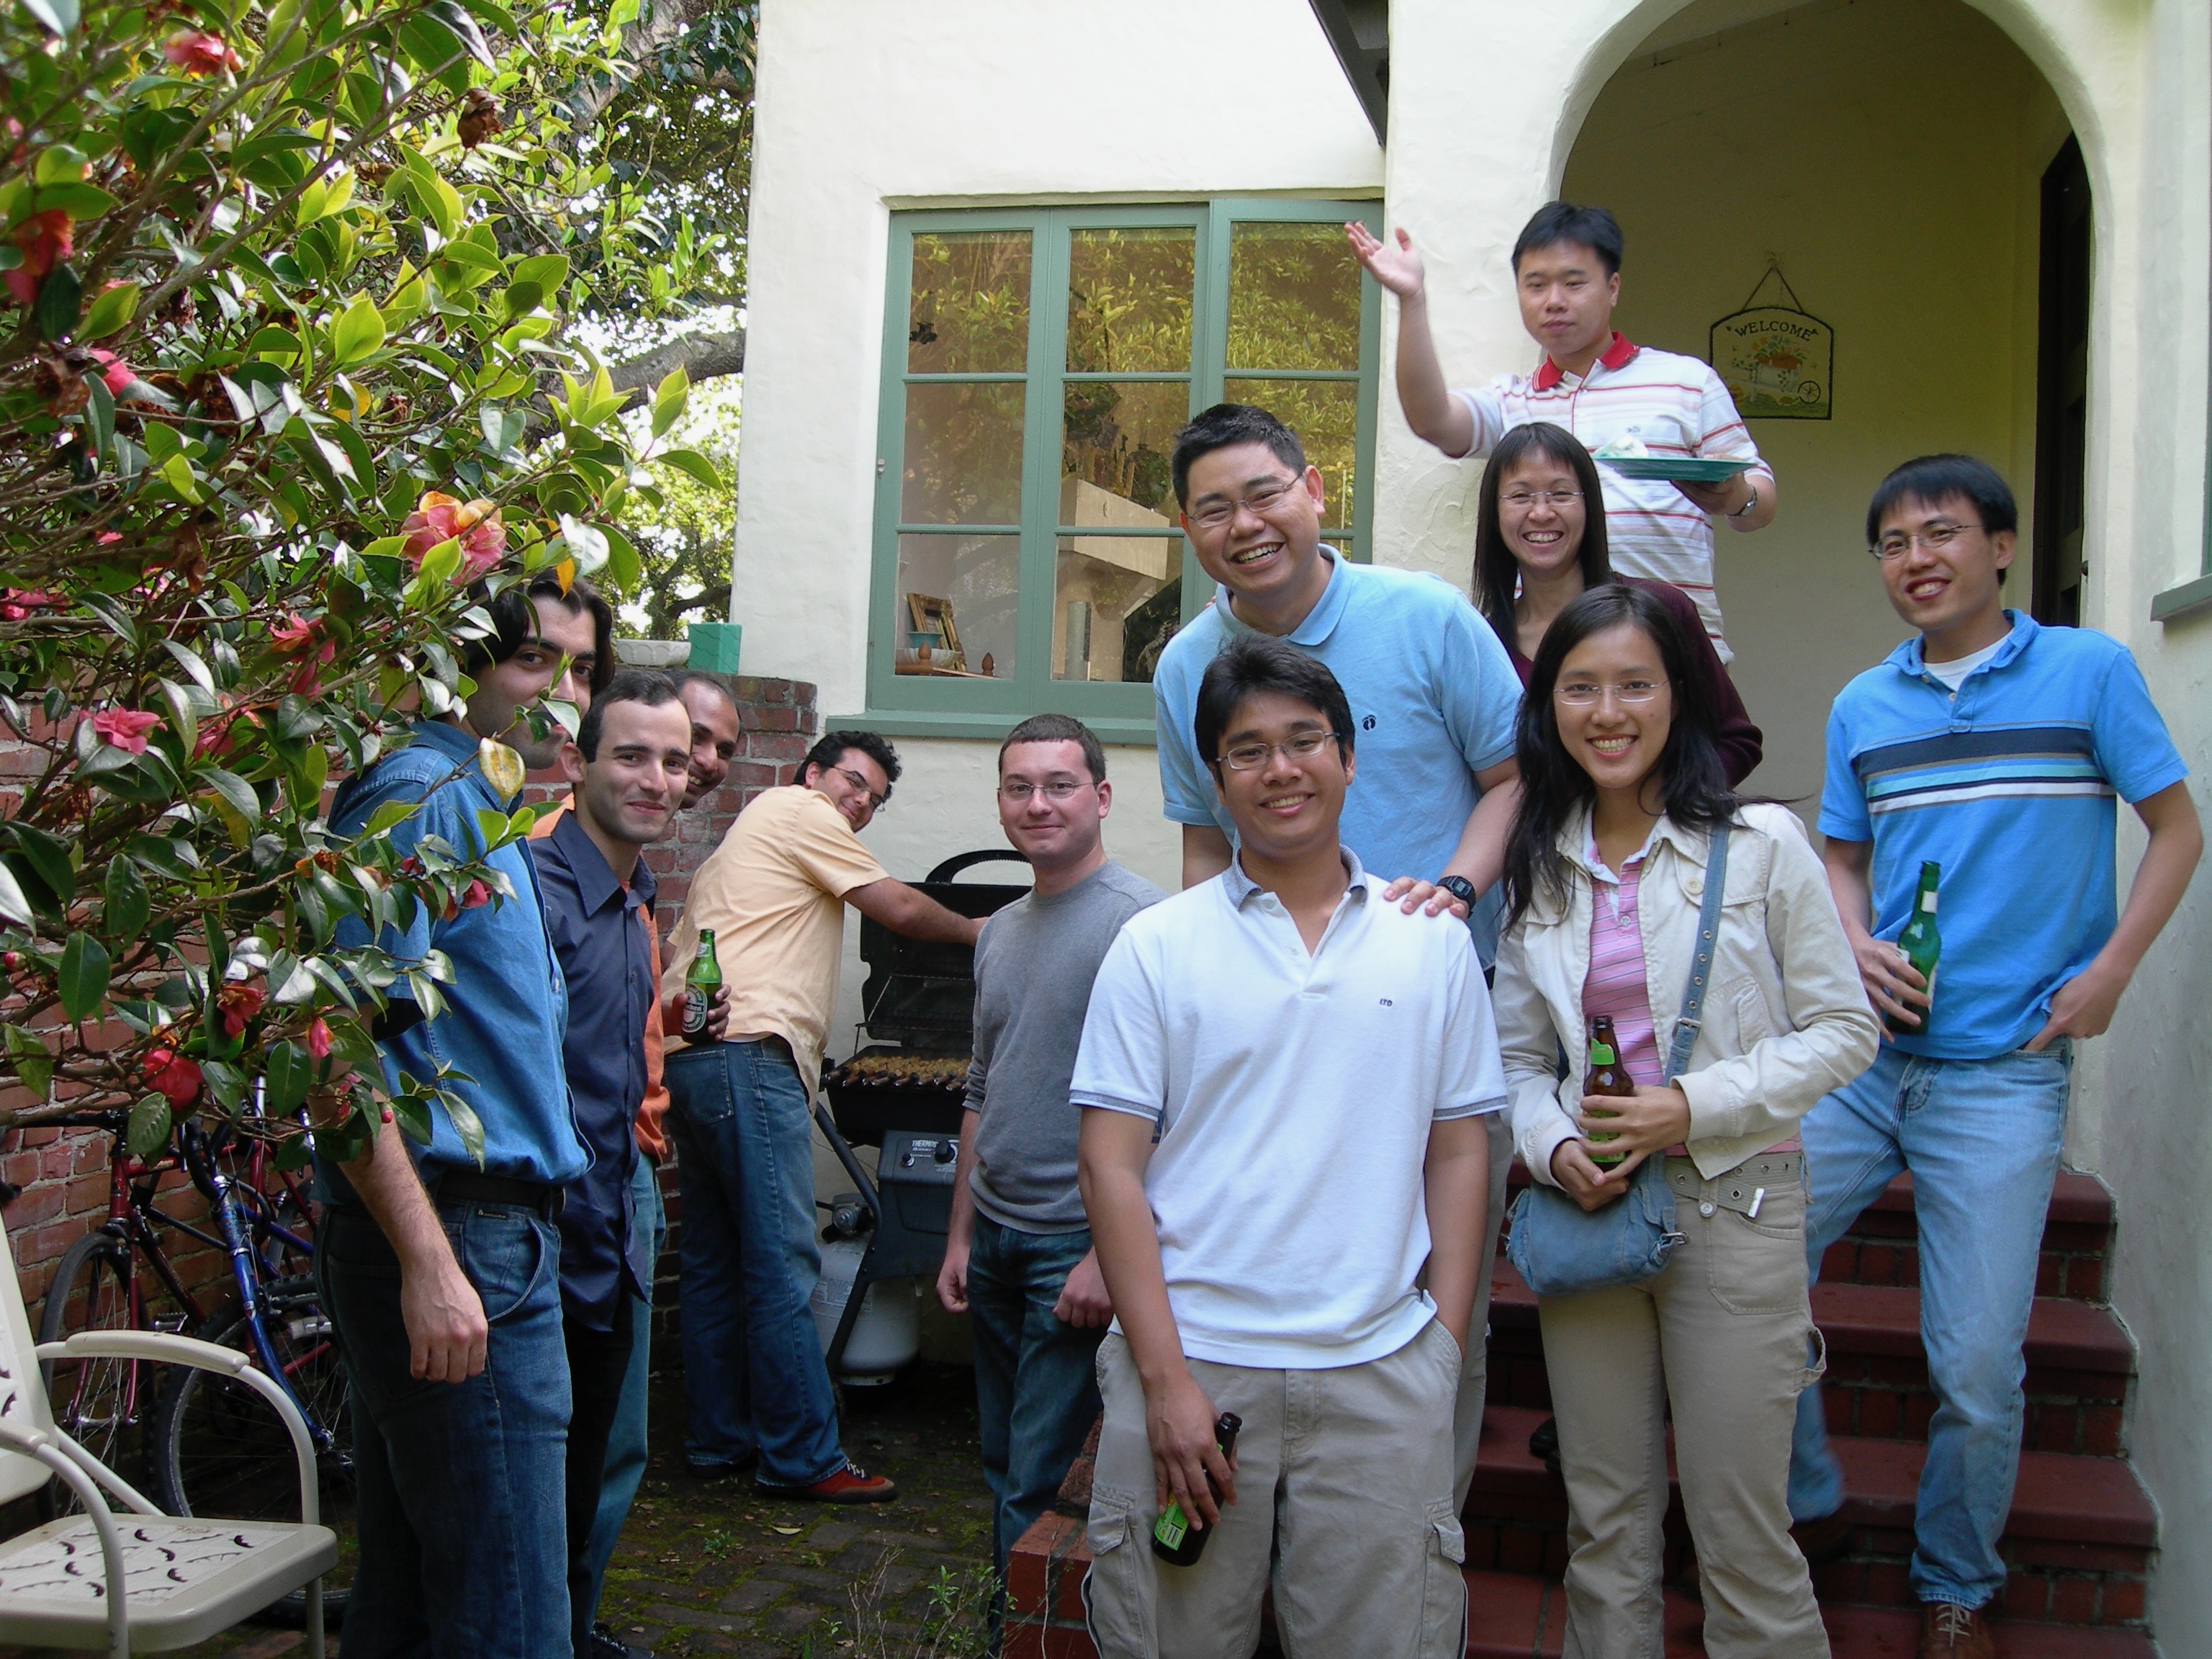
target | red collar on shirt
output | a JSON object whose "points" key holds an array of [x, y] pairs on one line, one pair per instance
{"points": [[1615, 355]]}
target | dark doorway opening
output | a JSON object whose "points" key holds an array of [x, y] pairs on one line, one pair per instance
{"points": [[2061, 392]]}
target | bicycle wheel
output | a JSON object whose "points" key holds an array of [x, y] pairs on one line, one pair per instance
{"points": [[98, 1403], [219, 1449]]}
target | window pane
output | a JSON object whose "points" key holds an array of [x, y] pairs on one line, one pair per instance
{"points": [[1116, 438], [1325, 414], [1117, 601], [969, 309], [1129, 299], [1293, 298], [964, 454], [958, 596]]}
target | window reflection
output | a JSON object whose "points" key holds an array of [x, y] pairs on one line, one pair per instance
{"points": [[969, 312], [1293, 298], [958, 605], [1117, 601], [1129, 300]]}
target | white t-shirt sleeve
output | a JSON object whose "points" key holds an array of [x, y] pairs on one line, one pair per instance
{"points": [[1122, 1063], [1488, 405], [1722, 434], [1472, 1080]]}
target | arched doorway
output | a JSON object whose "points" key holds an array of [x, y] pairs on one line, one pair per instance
{"points": [[1888, 156]]}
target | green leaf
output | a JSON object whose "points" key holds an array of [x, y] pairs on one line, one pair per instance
{"points": [[358, 332], [522, 298], [291, 1072], [78, 201], [82, 981], [129, 903], [59, 296], [693, 465], [233, 789], [586, 545], [49, 860], [110, 312], [100, 416], [548, 271], [323, 198], [34, 1062], [191, 662], [467, 1125], [59, 15], [147, 1131], [668, 401], [58, 164], [13, 904]]}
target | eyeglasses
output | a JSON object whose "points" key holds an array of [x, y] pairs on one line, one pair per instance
{"points": [[1580, 693], [1216, 515], [1246, 756], [1017, 794], [876, 802], [1522, 500], [1935, 537]]}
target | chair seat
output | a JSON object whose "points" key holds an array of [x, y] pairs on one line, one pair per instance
{"points": [[187, 1579]]}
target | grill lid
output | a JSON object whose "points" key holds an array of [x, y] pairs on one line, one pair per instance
{"points": [[924, 993]]}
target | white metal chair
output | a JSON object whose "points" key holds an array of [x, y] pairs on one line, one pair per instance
{"points": [[183, 1580]]}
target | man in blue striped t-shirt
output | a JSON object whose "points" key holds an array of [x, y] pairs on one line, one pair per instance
{"points": [[1994, 747]]}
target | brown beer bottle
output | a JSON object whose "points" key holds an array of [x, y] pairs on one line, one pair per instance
{"points": [[1175, 1539], [1605, 1075]]}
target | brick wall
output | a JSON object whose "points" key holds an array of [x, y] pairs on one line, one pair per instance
{"points": [[64, 1172]]}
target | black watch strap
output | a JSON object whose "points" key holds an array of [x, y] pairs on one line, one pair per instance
{"points": [[1460, 888]]}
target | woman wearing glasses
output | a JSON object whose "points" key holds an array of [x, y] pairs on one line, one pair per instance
{"points": [[1623, 791], [1537, 547]]}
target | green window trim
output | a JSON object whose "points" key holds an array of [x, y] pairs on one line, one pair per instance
{"points": [[931, 705]]}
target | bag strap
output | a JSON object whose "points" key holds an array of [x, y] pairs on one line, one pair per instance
{"points": [[1701, 966]]}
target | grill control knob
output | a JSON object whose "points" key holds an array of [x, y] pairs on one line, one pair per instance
{"points": [[947, 1151]]}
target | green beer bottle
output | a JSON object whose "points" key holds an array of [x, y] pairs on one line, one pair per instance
{"points": [[1174, 1540], [1922, 946], [1605, 1075], [700, 985]]}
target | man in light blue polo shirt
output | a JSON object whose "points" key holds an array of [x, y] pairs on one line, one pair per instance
{"points": [[1994, 747], [1434, 700]]}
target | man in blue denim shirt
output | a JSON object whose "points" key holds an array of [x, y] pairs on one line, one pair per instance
{"points": [[441, 1278]]}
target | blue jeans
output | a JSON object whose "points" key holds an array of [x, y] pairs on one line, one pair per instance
{"points": [[463, 1548], [1982, 1139], [626, 1442], [1036, 1385], [754, 1378]]}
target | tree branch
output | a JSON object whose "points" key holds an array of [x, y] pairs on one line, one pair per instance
{"points": [[702, 357]]}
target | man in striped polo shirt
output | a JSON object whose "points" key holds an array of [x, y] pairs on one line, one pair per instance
{"points": [[1993, 748], [1599, 385]]}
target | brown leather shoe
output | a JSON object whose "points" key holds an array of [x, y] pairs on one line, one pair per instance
{"points": [[1953, 1633]]}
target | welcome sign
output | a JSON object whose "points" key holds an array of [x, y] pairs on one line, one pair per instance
{"points": [[1777, 363]]}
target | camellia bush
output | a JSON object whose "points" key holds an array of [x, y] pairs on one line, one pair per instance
{"points": [[287, 363]]}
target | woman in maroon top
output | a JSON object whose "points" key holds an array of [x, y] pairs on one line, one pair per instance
{"points": [[1538, 546]]}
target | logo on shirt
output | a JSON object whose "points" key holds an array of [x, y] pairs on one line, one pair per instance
{"points": [[1367, 724], [1387, 1003]]}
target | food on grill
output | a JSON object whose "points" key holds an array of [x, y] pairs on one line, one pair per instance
{"points": [[910, 1071]]}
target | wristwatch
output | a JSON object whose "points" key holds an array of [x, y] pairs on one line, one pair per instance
{"points": [[1748, 506], [1461, 889]]}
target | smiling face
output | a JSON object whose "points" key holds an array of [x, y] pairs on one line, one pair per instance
{"points": [[855, 786], [1604, 727], [1567, 298], [556, 662], [714, 739], [1285, 807], [631, 789], [1267, 553], [1544, 537], [1052, 833], [1950, 593]]}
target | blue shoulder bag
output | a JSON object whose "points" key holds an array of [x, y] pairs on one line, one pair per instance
{"points": [[1559, 1247]]}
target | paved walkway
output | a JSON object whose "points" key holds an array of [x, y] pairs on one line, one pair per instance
{"points": [[713, 1568]]}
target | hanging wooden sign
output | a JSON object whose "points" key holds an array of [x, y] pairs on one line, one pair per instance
{"points": [[1778, 360]]}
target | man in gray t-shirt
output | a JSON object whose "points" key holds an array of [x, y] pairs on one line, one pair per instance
{"points": [[1018, 1257]]}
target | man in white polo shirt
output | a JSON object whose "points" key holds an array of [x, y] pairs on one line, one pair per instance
{"points": [[1599, 385], [1283, 1078]]}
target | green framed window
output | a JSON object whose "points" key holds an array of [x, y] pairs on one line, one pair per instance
{"points": [[1037, 362]]}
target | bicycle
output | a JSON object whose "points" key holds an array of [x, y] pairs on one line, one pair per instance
{"points": [[209, 1444]]}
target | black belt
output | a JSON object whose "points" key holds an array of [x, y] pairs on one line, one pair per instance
{"points": [[466, 1187]]}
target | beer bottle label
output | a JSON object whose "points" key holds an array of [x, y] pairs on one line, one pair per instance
{"points": [[1172, 1529], [694, 1011]]}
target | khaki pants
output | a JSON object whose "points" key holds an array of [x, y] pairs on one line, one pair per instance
{"points": [[1475, 1373], [1721, 1336], [1343, 1483]]}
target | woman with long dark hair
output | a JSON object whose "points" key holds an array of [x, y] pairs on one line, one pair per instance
{"points": [[1623, 789], [1540, 542]]}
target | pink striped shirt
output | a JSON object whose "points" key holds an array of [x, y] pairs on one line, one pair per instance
{"points": [[1674, 405]]}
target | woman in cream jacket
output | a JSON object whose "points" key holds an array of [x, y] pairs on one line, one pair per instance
{"points": [[1622, 785]]}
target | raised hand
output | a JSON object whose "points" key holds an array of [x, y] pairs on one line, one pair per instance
{"points": [[1398, 269]]}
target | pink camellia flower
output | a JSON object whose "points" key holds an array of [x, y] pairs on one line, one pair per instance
{"points": [[198, 52], [438, 517], [478, 894], [126, 728], [319, 1038], [239, 1004], [16, 603], [44, 238], [117, 374], [177, 1078]]}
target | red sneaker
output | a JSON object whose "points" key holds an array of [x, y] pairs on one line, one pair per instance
{"points": [[849, 1484]]}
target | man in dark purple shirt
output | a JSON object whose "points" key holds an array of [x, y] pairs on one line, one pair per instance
{"points": [[629, 765]]}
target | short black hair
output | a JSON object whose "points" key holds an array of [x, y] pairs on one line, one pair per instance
{"points": [[1223, 427], [645, 685], [1252, 665], [831, 749], [514, 613], [683, 677], [1931, 480], [1059, 728], [1497, 572], [1592, 227]]}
